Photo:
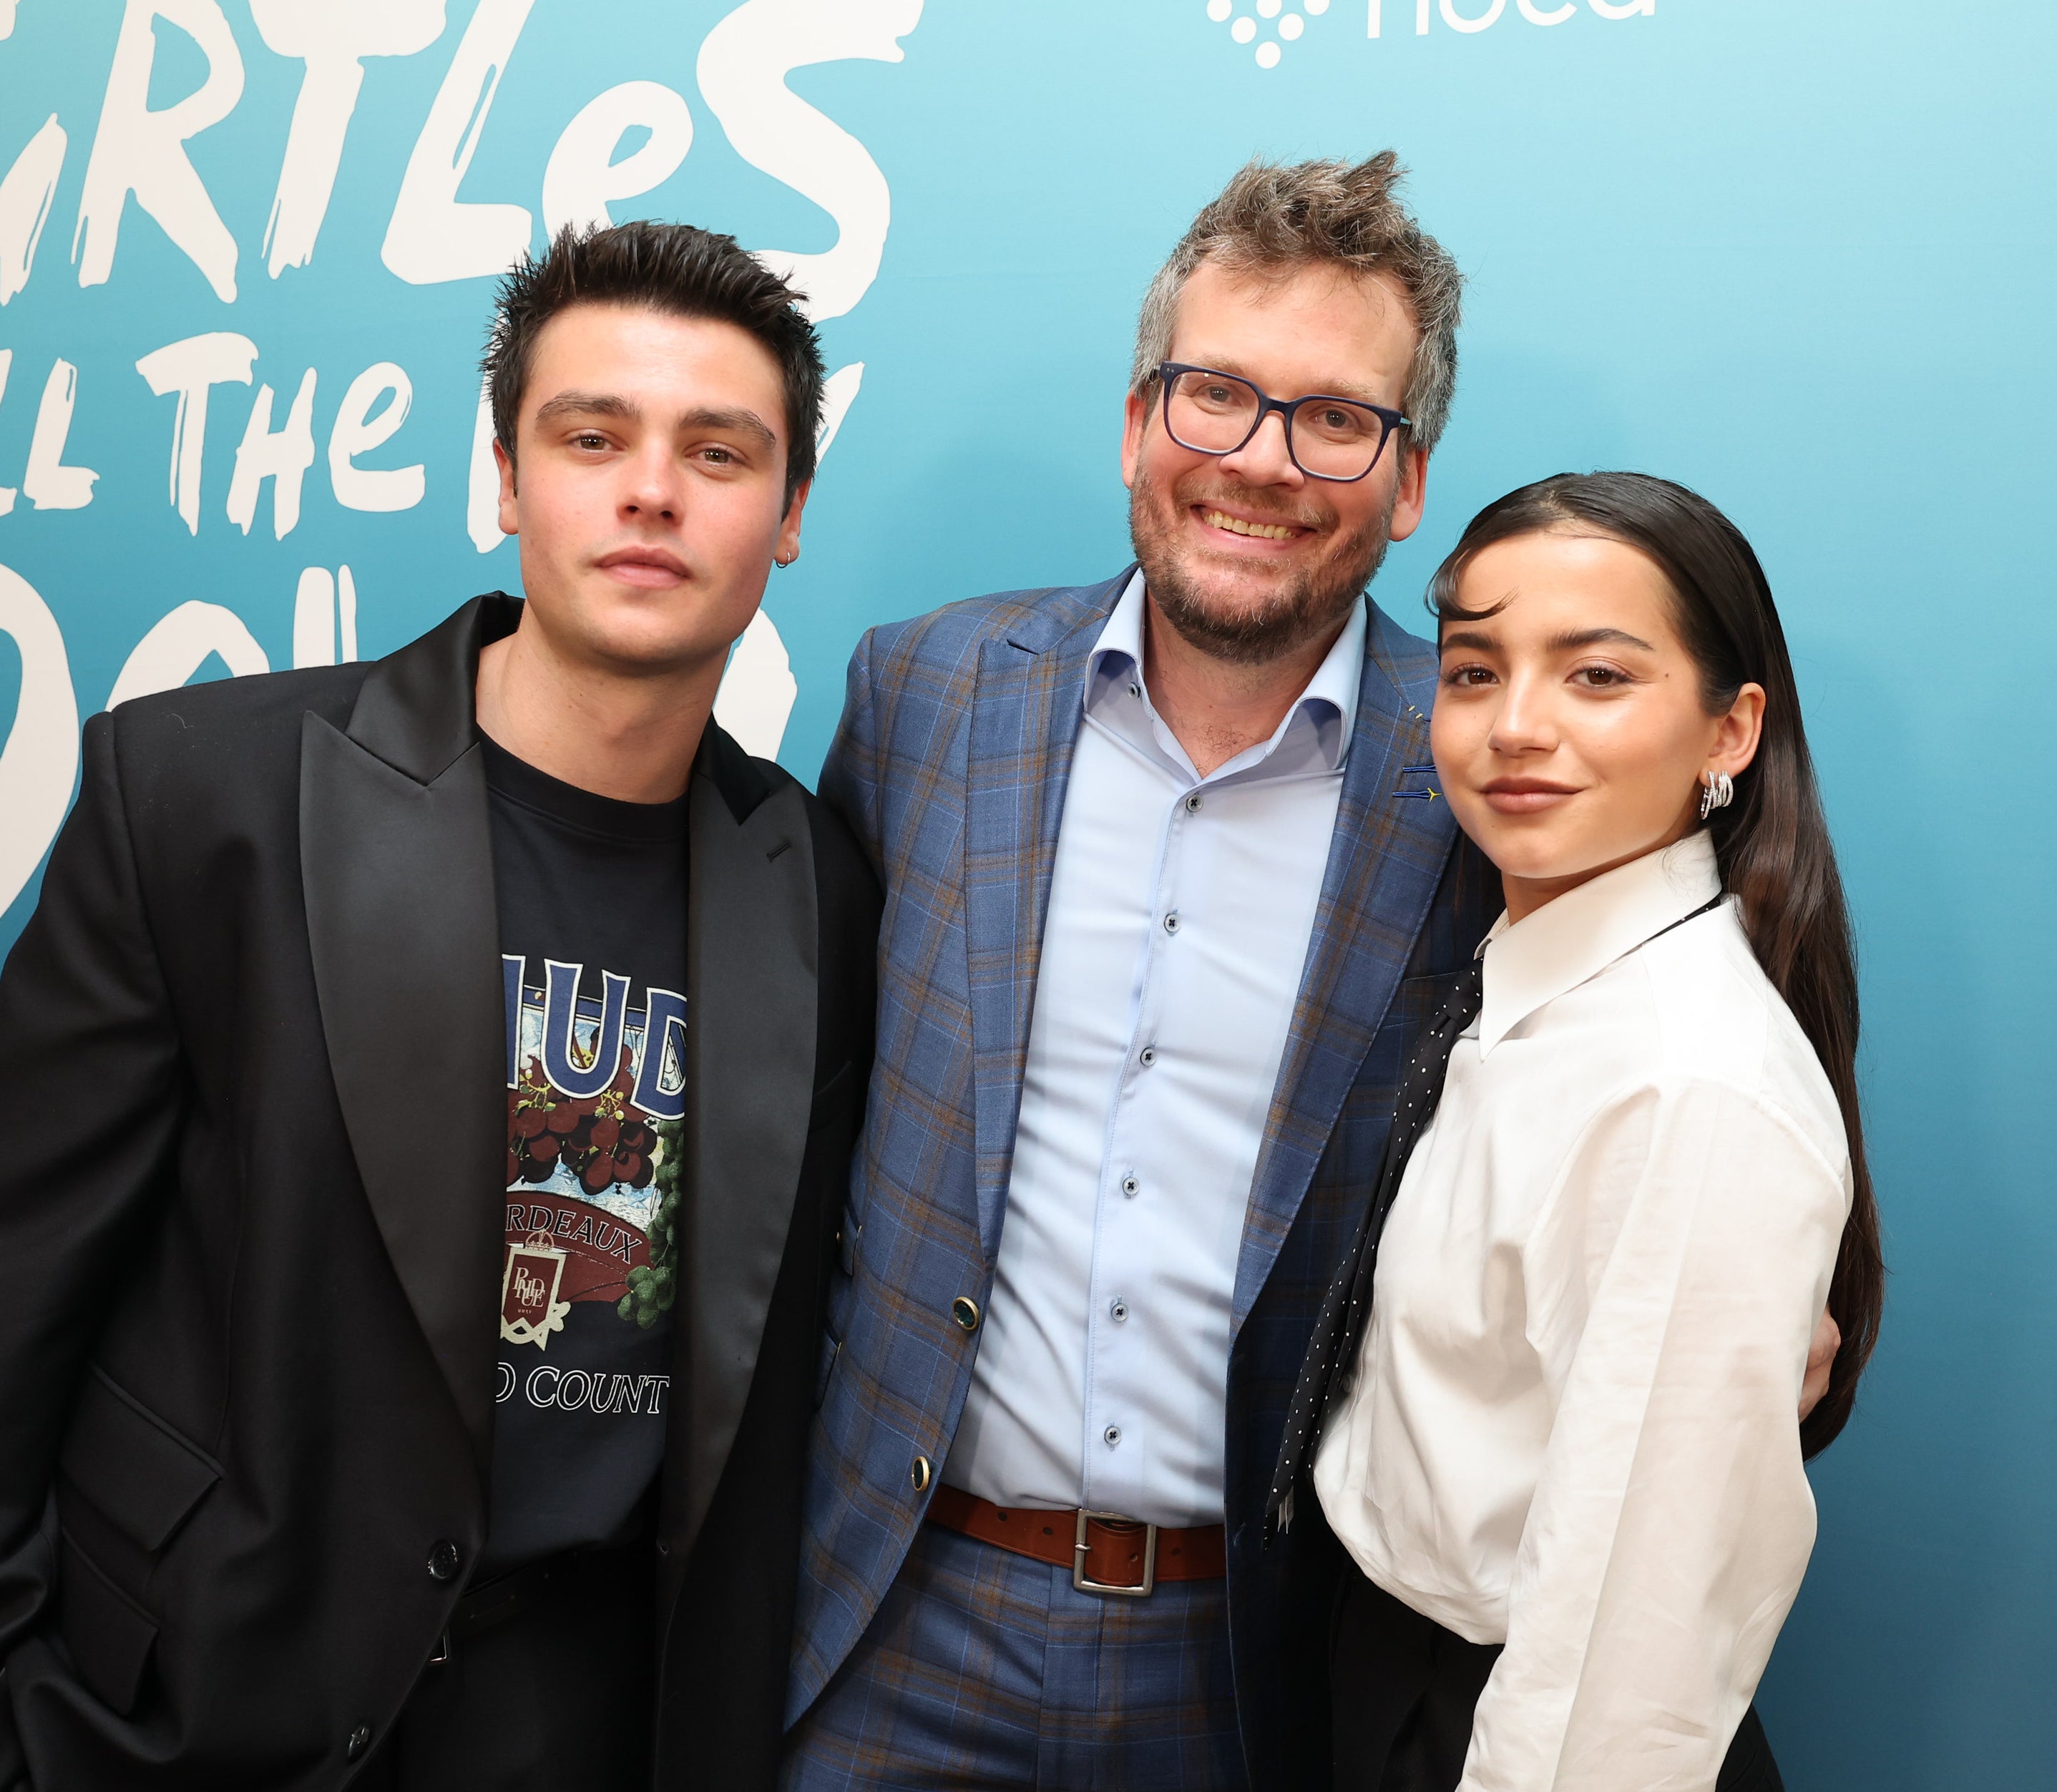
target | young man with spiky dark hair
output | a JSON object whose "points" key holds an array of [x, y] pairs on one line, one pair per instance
{"points": [[445, 1072]]}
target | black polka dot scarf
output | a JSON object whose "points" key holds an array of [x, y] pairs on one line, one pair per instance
{"points": [[1339, 1331]]}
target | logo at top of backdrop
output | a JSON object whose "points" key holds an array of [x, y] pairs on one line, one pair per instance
{"points": [[619, 144], [1271, 25]]}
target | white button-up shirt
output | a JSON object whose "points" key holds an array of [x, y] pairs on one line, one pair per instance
{"points": [[1571, 1428], [1181, 908]]}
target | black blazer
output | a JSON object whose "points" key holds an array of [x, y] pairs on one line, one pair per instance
{"points": [[252, 1054]]}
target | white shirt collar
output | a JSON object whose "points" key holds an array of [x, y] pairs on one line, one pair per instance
{"points": [[1322, 717], [1566, 941]]}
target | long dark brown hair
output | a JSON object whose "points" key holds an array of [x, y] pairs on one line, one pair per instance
{"points": [[1772, 844]]}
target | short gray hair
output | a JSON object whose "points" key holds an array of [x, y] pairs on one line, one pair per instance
{"points": [[1274, 219]]}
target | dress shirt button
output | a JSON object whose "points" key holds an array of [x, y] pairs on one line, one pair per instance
{"points": [[1131, 1187], [1148, 1056], [918, 1476], [1112, 1434], [1170, 924], [445, 1559], [965, 1310], [1193, 804], [356, 1742], [1119, 1311]]}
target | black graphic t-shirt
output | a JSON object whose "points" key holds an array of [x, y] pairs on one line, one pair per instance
{"points": [[592, 940]]}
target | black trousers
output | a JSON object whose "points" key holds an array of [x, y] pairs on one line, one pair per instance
{"points": [[558, 1698], [1404, 1690]]}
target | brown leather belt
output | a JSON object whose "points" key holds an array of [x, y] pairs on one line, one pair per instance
{"points": [[1106, 1552]]}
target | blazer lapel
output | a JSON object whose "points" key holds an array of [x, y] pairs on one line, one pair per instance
{"points": [[752, 971], [1385, 862], [1024, 724], [396, 858]]}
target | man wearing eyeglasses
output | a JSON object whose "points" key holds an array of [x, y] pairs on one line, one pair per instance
{"points": [[1169, 897]]}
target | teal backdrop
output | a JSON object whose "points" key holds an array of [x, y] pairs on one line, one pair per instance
{"points": [[1798, 256]]}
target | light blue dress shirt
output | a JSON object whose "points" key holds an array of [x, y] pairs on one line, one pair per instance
{"points": [[1181, 908]]}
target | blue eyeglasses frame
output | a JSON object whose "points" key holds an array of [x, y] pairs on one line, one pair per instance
{"points": [[1287, 409]]}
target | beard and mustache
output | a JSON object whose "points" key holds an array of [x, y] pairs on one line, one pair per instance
{"points": [[1306, 603]]}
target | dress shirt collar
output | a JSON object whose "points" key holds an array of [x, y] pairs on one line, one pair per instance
{"points": [[1314, 737], [1582, 932]]}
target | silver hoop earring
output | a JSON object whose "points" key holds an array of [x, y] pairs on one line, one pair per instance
{"points": [[1717, 791]]}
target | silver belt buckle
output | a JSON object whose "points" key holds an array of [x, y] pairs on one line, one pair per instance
{"points": [[1080, 1547]]}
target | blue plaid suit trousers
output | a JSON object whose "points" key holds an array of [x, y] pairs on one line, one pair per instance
{"points": [[984, 1669]]}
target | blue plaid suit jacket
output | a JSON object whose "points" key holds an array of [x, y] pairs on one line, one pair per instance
{"points": [[951, 763]]}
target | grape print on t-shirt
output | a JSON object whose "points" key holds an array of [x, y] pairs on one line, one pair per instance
{"points": [[596, 1091]]}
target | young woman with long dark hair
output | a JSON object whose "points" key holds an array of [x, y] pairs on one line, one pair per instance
{"points": [[1559, 1384]]}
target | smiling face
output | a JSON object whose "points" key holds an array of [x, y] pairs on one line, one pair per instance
{"points": [[648, 486], [1247, 556], [1570, 733]]}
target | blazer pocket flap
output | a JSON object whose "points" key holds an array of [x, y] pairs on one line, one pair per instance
{"points": [[134, 1468], [109, 1635]]}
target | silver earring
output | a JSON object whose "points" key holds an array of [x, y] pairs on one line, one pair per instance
{"points": [[1718, 791]]}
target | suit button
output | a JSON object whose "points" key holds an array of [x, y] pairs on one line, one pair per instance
{"points": [[445, 1559], [965, 1310], [357, 1742], [920, 1474]]}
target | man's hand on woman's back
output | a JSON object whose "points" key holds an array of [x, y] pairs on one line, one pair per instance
{"points": [[1821, 1359]]}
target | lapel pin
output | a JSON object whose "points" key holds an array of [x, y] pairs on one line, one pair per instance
{"points": [[1403, 794]]}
